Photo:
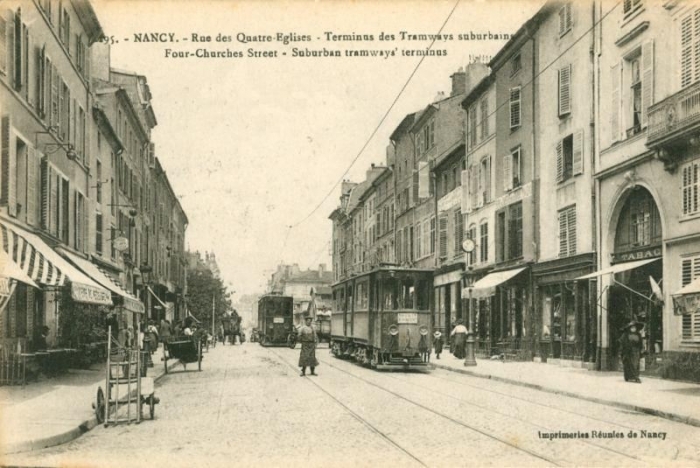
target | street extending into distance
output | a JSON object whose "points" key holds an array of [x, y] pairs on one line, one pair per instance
{"points": [[249, 406]]}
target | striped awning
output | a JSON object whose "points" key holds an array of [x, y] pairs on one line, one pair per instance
{"points": [[46, 267]]}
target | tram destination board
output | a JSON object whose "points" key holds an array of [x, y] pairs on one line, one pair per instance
{"points": [[407, 317]]}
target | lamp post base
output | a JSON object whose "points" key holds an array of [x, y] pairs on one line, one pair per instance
{"points": [[470, 360]]}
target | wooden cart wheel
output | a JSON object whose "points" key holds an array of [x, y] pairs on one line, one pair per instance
{"points": [[100, 405]]}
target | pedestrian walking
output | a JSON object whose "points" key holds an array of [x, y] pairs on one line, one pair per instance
{"points": [[308, 338], [460, 339], [438, 342], [631, 348]]}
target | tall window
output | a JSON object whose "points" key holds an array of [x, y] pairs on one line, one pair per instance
{"points": [[690, 271], [691, 186], [98, 233], [484, 242], [459, 231], [569, 156], [472, 126], [639, 224], [419, 240], [565, 19], [484, 108], [631, 6], [514, 107], [515, 230], [485, 180], [567, 231], [511, 170], [565, 90], [690, 40], [432, 235]]}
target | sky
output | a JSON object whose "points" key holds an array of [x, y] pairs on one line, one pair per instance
{"points": [[253, 145]]}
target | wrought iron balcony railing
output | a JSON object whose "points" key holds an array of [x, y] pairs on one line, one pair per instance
{"points": [[671, 118]]}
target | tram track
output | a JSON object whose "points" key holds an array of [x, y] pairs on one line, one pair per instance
{"points": [[502, 440], [681, 445]]}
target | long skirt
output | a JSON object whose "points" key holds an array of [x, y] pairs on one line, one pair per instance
{"points": [[460, 340], [307, 357], [630, 364]]}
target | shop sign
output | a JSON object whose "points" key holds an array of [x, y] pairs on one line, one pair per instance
{"points": [[636, 255], [4, 286], [90, 295], [278, 320], [407, 317], [687, 304]]}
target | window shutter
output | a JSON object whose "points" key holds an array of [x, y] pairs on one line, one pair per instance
{"points": [[40, 52], [32, 183], [516, 171], [508, 172], [17, 43], [578, 153], [560, 161], [563, 232], [615, 104], [514, 107], [484, 118], [466, 198], [443, 236], [9, 167], [53, 203], [686, 50], [54, 95], [459, 231], [3, 42], [571, 222], [565, 90], [423, 180], [46, 181], [487, 180], [647, 79]]}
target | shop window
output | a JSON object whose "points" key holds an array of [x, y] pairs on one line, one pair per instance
{"points": [[546, 317], [690, 271]]}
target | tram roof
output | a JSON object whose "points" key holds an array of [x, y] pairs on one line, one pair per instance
{"points": [[385, 269]]}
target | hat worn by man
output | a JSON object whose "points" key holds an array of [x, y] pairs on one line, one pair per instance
{"points": [[437, 334]]}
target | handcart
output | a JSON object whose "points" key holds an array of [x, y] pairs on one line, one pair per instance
{"points": [[186, 349], [125, 391]]}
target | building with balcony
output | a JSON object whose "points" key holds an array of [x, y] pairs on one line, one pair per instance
{"points": [[646, 181]]}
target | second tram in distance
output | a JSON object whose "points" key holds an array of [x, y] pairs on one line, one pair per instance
{"points": [[275, 319], [383, 318]]}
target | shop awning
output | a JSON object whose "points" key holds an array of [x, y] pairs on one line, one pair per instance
{"points": [[486, 286], [618, 268], [162, 304], [687, 299], [131, 303], [9, 269], [45, 266]]}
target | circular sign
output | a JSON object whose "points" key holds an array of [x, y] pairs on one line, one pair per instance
{"points": [[468, 245], [393, 330], [120, 244]]}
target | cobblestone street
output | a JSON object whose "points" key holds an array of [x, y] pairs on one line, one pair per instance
{"points": [[249, 406]]}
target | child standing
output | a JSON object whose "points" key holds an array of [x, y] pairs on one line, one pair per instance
{"points": [[437, 343]]}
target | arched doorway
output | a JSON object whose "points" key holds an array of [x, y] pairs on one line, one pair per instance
{"points": [[638, 235]]}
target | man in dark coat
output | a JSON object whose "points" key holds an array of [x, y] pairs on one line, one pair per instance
{"points": [[308, 339], [631, 348], [438, 342]]}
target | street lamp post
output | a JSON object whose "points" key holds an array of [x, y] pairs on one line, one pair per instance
{"points": [[468, 246]]}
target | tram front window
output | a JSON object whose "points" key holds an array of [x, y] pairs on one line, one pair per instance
{"points": [[389, 295], [406, 293], [423, 295]]}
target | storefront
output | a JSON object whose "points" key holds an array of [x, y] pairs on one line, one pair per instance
{"points": [[565, 319], [498, 305], [447, 284]]}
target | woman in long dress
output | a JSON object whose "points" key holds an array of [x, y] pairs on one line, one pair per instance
{"points": [[631, 347], [460, 339], [308, 339]]}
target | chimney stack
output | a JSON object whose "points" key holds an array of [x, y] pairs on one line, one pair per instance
{"points": [[459, 82]]}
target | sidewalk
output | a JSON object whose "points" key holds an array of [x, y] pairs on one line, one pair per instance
{"points": [[54, 411], [678, 401]]}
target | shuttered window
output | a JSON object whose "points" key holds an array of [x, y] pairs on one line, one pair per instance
{"points": [[484, 106], [419, 240], [484, 242], [690, 271], [565, 19], [515, 230], [567, 231], [690, 188], [432, 235], [570, 156], [485, 181], [515, 107], [459, 231], [565, 90], [443, 236], [3, 44], [690, 48], [511, 170]]}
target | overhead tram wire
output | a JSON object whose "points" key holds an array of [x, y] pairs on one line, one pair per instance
{"points": [[381, 121], [528, 83]]}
